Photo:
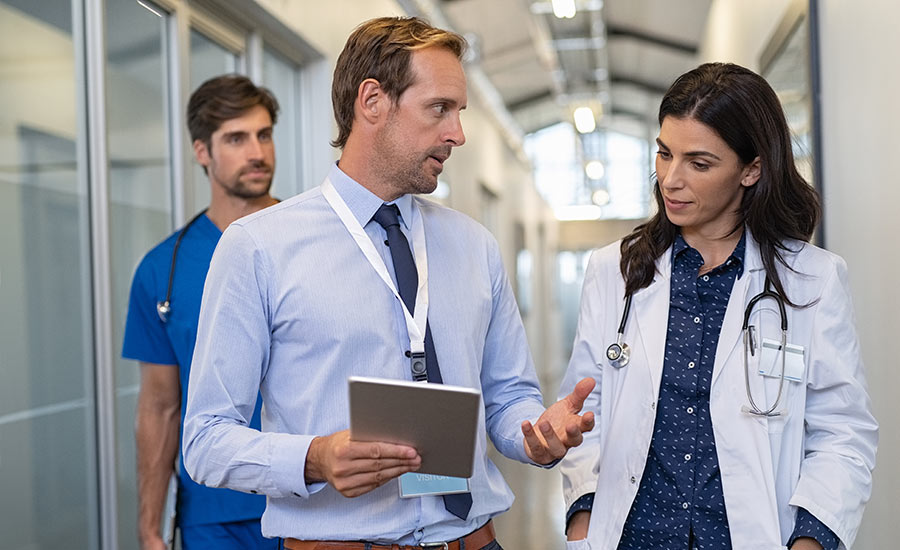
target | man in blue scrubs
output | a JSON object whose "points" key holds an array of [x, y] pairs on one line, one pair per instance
{"points": [[230, 121]]}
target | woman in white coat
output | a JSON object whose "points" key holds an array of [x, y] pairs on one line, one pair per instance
{"points": [[711, 435]]}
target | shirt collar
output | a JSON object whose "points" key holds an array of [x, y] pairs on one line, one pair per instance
{"points": [[737, 255], [363, 203]]}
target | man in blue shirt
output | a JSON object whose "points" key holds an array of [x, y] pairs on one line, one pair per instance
{"points": [[230, 121], [316, 289]]}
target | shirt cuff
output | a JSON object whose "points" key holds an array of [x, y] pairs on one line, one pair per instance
{"points": [[807, 525], [287, 474], [585, 503]]}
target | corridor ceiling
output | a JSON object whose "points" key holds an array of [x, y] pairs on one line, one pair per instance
{"points": [[616, 56]]}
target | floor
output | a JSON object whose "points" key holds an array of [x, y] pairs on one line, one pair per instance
{"points": [[535, 521]]}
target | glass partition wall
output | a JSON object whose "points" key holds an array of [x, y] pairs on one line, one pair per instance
{"points": [[92, 159], [47, 436], [140, 190]]}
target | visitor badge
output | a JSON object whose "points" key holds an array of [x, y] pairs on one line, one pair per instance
{"points": [[415, 484]]}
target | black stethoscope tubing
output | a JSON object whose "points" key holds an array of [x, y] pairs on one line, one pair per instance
{"points": [[617, 353], [164, 307]]}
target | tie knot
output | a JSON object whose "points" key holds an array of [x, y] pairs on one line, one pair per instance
{"points": [[387, 215]]}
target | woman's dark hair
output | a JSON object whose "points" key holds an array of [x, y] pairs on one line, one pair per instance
{"points": [[741, 107]]}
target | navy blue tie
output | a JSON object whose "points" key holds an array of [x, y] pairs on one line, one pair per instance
{"points": [[388, 217]]}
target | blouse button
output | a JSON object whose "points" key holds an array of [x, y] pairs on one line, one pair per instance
{"points": [[706, 277], [696, 319]]}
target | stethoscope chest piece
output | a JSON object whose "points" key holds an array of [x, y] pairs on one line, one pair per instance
{"points": [[163, 309], [618, 354]]}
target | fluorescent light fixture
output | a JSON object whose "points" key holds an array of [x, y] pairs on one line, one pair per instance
{"points": [[563, 9], [594, 169], [584, 120], [578, 212], [600, 197], [149, 8]]}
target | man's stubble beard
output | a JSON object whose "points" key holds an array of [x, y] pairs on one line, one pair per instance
{"points": [[400, 170]]}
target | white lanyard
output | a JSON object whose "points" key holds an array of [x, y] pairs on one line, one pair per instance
{"points": [[415, 325]]}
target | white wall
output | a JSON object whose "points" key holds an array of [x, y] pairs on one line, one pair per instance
{"points": [[860, 117], [860, 82], [737, 30]]}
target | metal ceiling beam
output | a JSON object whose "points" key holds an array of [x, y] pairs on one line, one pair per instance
{"points": [[618, 31], [531, 101], [651, 87]]}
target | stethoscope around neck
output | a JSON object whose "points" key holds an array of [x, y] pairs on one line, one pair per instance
{"points": [[164, 307], [619, 353]]}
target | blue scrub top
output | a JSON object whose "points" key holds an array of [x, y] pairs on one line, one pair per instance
{"points": [[150, 340]]}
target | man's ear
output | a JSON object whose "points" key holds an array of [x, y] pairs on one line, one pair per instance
{"points": [[752, 173], [201, 152], [371, 101]]}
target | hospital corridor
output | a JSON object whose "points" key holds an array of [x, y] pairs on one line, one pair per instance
{"points": [[741, 340]]}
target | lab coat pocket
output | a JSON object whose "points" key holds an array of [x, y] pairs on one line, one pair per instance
{"points": [[768, 396], [582, 544], [766, 387]]}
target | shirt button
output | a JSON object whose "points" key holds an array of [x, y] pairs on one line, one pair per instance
{"points": [[691, 365], [696, 320], [653, 405], [690, 410], [706, 277], [633, 480], [687, 456], [684, 505]]}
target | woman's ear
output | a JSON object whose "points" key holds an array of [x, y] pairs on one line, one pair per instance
{"points": [[751, 173]]}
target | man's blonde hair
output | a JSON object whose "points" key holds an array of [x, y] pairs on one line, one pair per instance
{"points": [[381, 49]]}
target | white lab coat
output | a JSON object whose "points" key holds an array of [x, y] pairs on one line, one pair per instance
{"points": [[819, 457]]}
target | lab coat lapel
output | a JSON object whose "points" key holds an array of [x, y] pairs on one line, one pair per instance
{"points": [[751, 279], [651, 313]]}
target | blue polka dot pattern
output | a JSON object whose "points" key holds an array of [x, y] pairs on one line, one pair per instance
{"points": [[680, 503]]}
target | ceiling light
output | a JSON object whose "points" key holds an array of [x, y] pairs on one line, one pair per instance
{"points": [[600, 197], [584, 120], [594, 169], [563, 9]]}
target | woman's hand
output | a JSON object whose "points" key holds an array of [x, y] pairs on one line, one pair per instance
{"points": [[578, 526], [806, 543]]}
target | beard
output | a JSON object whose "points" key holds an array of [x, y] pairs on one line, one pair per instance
{"points": [[256, 188], [409, 172]]}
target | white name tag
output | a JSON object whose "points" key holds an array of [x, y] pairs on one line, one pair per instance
{"points": [[417, 485], [770, 360]]}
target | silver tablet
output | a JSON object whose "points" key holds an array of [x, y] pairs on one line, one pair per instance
{"points": [[439, 420]]}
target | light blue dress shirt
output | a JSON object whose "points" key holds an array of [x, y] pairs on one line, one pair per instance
{"points": [[291, 308]]}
